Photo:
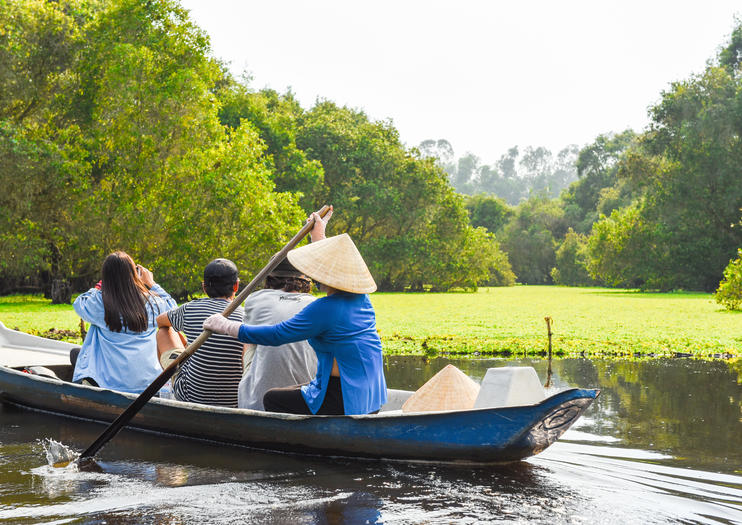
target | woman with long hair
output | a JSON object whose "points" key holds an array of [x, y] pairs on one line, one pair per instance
{"points": [[120, 349]]}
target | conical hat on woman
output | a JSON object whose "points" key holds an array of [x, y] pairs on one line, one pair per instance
{"points": [[335, 262]]}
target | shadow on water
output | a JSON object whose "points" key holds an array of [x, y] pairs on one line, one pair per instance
{"points": [[660, 445]]}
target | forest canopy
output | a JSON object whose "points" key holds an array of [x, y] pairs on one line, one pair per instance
{"points": [[119, 130], [656, 210]]}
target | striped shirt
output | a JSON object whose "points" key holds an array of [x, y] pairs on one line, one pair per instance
{"points": [[212, 374]]}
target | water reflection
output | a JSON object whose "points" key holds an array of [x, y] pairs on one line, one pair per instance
{"points": [[660, 445], [689, 409]]}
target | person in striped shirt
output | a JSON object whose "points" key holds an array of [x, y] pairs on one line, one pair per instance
{"points": [[212, 375]]}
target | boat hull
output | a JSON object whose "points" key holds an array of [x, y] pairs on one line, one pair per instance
{"points": [[490, 435]]}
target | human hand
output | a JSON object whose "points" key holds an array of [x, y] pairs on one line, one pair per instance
{"points": [[99, 285], [219, 324], [146, 276], [318, 230]]}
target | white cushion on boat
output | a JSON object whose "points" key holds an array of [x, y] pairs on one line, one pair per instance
{"points": [[449, 389], [395, 399], [510, 386]]}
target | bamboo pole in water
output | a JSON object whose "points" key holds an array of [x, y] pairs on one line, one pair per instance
{"points": [[548, 333]]}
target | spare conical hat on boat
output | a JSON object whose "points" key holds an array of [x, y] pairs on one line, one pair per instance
{"points": [[449, 389], [336, 262]]}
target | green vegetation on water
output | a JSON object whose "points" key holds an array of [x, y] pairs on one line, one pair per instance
{"points": [[590, 321], [596, 322]]}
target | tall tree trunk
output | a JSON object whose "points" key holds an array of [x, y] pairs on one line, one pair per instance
{"points": [[61, 291]]}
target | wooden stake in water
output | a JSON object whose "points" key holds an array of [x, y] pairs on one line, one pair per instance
{"points": [[548, 333]]}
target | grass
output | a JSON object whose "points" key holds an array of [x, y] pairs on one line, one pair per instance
{"points": [[587, 321], [594, 322], [35, 315]]}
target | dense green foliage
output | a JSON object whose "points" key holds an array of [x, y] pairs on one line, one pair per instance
{"points": [[597, 191], [688, 164], [118, 130], [509, 321], [655, 210], [119, 146], [487, 211], [409, 224], [680, 233], [571, 261], [530, 239], [729, 292]]}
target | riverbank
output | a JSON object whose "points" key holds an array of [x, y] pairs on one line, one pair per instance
{"points": [[591, 322]]}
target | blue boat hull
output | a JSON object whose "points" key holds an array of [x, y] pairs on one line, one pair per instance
{"points": [[491, 435]]}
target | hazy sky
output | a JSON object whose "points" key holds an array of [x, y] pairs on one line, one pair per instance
{"points": [[485, 75]]}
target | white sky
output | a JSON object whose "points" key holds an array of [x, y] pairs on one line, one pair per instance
{"points": [[485, 75]]}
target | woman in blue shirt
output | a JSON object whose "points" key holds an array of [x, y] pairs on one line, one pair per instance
{"points": [[120, 350], [340, 327]]}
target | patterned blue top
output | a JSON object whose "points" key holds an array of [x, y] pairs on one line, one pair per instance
{"points": [[124, 361], [341, 326]]}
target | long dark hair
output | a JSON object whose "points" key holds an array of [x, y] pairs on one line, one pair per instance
{"points": [[124, 295]]}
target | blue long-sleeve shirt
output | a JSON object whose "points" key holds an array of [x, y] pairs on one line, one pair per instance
{"points": [[125, 361], [341, 327]]}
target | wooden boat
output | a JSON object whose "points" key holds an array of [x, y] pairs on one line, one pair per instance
{"points": [[486, 435]]}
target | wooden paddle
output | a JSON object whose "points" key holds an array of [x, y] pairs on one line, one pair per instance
{"points": [[166, 374]]}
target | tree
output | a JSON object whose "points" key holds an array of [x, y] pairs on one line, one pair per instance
{"points": [[623, 251], [530, 239], [689, 163], [571, 261], [43, 166], [171, 183], [487, 211], [129, 152], [597, 168], [275, 118], [42, 224], [729, 292], [440, 149], [408, 223], [39, 43], [513, 178]]}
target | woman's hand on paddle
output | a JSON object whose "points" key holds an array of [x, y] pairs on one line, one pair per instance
{"points": [[146, 276], [219, 324], [318, 231]]}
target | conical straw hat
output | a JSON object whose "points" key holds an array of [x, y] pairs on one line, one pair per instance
{"points": [[336, 262], [449, 389]]}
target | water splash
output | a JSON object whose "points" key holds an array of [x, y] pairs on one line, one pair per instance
{"points": [[58, 455]]}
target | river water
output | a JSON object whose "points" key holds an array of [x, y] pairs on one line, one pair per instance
{"points": [[662, 444]]}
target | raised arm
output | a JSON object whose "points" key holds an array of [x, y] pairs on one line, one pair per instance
{"points": [[89, 306], [318, 230]]}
